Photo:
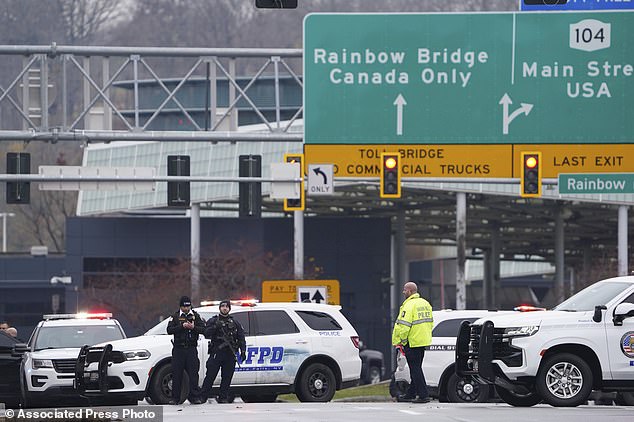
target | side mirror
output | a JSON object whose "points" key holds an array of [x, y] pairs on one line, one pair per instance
{"points": [[598, 314], [19, 349], [622, 311]]}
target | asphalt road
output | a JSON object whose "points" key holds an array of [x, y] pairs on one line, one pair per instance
{"points": [[366, 412]]}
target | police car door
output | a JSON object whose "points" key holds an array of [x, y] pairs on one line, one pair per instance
{"points": [[620, 344], [244, 374], [281, 348]]}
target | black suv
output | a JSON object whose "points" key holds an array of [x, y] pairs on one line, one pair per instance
{"points": [[11, 352]]}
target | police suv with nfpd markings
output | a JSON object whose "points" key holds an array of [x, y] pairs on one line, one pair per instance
{"points": [[559, 356], [306, 348]]}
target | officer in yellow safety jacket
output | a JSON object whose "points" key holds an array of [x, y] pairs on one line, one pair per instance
{"points": [[412, 331]]}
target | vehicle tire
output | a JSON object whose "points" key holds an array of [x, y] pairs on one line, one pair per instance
{"points": [[466, 390], [161, 385], [317, 383], [625, 399], [564, 380], [259, 398], [374, 375], [518, 400], [398, 388], [25, 399]]}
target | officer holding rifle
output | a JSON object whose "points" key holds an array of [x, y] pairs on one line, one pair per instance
{"points": [[226, 337]]}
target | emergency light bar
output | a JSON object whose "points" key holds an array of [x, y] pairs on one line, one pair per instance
{"points": [[83, 315], [241, 302]]}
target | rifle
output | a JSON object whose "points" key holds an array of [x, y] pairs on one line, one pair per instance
{"points": [[225, 340]]}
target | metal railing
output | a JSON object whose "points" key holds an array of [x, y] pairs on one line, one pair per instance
{"points": [[52, 93]]}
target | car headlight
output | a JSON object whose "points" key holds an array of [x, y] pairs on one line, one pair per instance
{"points": [[525, 331], [42, 363], [137, 355]]}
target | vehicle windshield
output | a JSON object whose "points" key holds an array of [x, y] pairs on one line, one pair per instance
{"points": [[591, 296], [161, 327], [75, 336]]}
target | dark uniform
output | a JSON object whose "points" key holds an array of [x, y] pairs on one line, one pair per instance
{"points": [[185, 350], [226, 337]]}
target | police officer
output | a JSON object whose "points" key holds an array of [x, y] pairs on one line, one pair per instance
{"points": [[186, 325], [226, 337], [412, 331]]}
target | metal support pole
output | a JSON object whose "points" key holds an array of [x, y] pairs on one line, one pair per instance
{"points": [[559, 256], [44, 93], [64, 60], [298, 244], [105, 76], [135, 66], [233, 115], [486, 279], [461, 245], [393, 295], [622, 240], [401, 267], [4, 216], [195, 254], [86, 91], [276, 62], [494, 262]]}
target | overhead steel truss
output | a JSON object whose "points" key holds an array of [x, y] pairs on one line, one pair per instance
{"points": [[39, 86]]}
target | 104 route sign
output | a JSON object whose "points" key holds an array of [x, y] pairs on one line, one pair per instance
{"points": [[482, 78]]}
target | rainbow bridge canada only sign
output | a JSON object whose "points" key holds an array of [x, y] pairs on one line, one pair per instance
{"points": [[480, 78]]}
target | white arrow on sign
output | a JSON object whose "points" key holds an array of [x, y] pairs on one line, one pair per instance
{"points": [[506, 118], [399, 103], [320, 180]]}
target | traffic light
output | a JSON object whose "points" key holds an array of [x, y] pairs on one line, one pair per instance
{"points": [[178, 192], [18, 163], [296, 204], [531, 178], [250, 193], [390, 175], [276, 4]]}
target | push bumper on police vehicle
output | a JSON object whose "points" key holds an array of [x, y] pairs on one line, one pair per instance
{"points": [[477, 346], [92, 377]]}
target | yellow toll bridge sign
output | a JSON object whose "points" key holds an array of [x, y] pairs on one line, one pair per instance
{"points": [[315, 291]]}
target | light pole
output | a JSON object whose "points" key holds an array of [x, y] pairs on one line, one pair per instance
{"points": [[4, 216], [66, 279]]}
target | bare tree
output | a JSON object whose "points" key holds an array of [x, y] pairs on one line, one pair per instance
{"points": [[84, 19], [144, 293]]}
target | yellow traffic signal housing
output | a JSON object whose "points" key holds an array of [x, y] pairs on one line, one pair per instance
{"points": [[296, 204], [531, 177], [390, 175]]}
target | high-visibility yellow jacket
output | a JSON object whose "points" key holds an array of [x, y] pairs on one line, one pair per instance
{"points": [[414, 323]]}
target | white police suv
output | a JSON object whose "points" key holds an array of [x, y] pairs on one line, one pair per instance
{"points": [[48, 368], [309, 349], [559, 356]]}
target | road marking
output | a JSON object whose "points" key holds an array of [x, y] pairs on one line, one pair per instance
{"points": [[410, 412]]}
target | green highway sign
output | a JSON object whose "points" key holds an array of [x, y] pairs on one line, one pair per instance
{"points": [[480, 78], [596, 183]]}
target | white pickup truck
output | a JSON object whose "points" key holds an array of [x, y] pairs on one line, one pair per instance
{"points": [[558, 356]]}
